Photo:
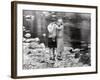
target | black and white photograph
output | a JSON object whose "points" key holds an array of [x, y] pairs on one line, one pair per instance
{"points": [[53, 39], [56, 39]]}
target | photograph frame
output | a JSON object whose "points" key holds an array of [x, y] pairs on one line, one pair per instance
{"points": [[14, 38]]}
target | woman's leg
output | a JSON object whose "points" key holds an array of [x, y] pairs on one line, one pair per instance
{"points": [[60, 48]]}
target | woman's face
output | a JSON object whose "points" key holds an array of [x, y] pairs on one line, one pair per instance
{"points": [[59, 21]]}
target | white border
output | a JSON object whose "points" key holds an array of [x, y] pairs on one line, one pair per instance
{"points": [[21, 72]]}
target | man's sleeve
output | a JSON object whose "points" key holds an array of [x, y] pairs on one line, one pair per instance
{"points": [[49, 28]]}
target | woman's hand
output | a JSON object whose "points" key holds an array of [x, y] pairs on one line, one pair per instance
{"points": [[59, 27]]}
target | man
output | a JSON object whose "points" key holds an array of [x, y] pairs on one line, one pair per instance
{"points": [[52, 41]]}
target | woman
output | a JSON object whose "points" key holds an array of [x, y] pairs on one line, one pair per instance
{"points": [[60, 42]]}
